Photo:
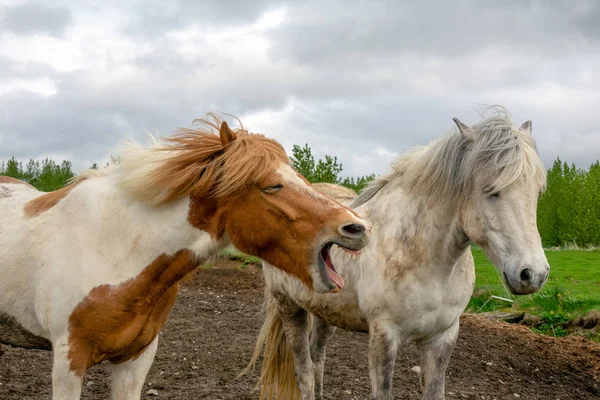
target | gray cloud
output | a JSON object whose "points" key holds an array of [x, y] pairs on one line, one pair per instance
{"points": [[333, 33], [35, 18], [10, 69], [155, 17], [360, 80]]}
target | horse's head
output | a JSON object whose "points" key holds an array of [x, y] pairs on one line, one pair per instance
{"points": [[249, 193], [506, 177]]}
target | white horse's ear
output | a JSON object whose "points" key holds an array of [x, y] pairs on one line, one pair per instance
{"points": [[526, 127], [465, 130], [227, 135]]}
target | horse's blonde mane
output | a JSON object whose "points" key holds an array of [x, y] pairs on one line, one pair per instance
{"points": [[498, 155], [194, 161]]}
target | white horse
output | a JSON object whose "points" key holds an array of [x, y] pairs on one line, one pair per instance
{"points": [[480, 185], [92, 270]]}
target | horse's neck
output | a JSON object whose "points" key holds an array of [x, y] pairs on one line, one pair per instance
{"points": [[419, 231], [129, 232]]}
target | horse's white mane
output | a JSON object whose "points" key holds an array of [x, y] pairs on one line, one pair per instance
{"points": [[132, 167], [498, 155]]}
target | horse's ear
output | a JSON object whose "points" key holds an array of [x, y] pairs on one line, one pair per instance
{"points": [[227, 135], [465, 130], [526, 127]]}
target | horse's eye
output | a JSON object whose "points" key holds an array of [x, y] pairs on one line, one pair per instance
{"points": [[494, 195], [272, 189]]}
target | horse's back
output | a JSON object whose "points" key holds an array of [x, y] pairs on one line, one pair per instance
{"points": [[336, 192], [14, 195], [14, 181]]}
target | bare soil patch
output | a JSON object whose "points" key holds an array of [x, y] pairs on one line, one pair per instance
{"points": [[210, 335]]}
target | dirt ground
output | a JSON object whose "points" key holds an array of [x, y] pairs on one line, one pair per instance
{"points": [[211, 332]]}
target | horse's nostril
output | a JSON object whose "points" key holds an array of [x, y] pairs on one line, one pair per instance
{"points": [[525, 275], [353, 229]]}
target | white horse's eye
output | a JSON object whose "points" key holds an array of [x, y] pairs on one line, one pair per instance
{"points": [[491, 192]]}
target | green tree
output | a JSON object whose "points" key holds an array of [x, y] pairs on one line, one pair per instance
{"points": [[304, 162], [548, 218], [32, 173], [569, 209], [326, 170], [14, 169], [45, 176]]}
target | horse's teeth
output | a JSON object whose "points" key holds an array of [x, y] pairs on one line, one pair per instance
{"points": [[354, 254]]}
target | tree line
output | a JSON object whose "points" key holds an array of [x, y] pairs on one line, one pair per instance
{"points": [[568, 210], [326, 170], [45, 175]]}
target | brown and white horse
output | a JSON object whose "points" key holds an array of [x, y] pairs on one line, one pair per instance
{"points": [[92, 270], [477, 184]]}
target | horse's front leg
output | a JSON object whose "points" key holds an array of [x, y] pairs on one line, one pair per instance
{"points": [[295, 326], [128, 377], [321, 333], [66, 380], [383, 346], [435, 356]]}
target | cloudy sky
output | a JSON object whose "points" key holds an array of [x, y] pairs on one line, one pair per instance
{"points": [[362, 80]]}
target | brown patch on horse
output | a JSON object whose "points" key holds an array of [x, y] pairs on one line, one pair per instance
{"points": [[118, 322], [41, 204], [237, 217], [222, 176], [9, 179], [283, 236], [207, 214]]}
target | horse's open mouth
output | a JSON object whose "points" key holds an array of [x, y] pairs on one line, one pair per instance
{"points": [[325, 257]]}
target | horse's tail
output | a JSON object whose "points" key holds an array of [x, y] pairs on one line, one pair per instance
{"points": [[277, 378], [15, 335]]}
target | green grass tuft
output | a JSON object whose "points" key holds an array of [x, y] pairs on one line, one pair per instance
{"points": [[234, 254]]}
